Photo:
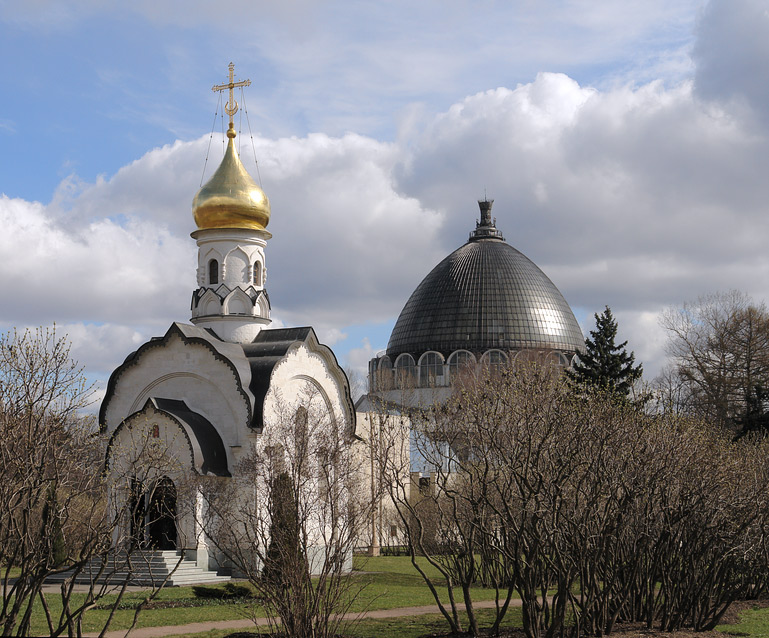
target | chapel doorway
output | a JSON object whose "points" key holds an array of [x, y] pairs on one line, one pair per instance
{"points": [[161, 515], [153, 514]]}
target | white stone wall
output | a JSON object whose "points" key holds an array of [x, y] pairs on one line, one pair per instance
{"points": [[240, 256], [191, 373]]}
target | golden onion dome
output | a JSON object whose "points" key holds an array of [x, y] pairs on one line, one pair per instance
{"points": [[231, 198]]}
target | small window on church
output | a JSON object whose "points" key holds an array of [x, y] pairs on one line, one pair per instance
{"points": [[257, 274], [300, 430], [213, 272]]}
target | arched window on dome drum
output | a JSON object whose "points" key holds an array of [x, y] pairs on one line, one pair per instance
{"points": [[555, 358], [405, 371], [213, 272], [494, 359], [459, 361], [430, 370], [384, 374], [257, 273]]}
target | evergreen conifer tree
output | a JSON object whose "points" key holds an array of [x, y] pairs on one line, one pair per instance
{"points": [[604, 364], [285, 563]]}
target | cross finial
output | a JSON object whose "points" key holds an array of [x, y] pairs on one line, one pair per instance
{"points": [[232, 106]]}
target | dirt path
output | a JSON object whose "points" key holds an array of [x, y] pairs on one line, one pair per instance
{"points": [[244, 624]]}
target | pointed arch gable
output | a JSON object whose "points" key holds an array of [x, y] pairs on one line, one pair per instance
{"points": [[271, 347], [210, 303], [238, 302], [204, 449], [229, 355], [262, 307]]}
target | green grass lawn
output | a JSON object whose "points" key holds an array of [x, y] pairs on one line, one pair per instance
{"points": [[388, 582], [753, 622], [403, 627]]}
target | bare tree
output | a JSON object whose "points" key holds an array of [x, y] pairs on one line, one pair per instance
{"points": [[288, 519], [719, 345], [54, 495]]}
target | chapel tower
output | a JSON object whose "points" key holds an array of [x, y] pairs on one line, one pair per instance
{"points": [[231, 213]]}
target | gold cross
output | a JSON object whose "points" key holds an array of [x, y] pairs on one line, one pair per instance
{"points": [[232, 106]]}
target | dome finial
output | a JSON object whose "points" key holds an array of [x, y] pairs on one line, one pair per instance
{"points": [[232, 106], [486, 227]]}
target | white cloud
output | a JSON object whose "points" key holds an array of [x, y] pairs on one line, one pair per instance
{"points": [[629, 193], [732, 53]]}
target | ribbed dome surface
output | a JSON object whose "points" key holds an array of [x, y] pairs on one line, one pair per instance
{"points": [[485, 295]]}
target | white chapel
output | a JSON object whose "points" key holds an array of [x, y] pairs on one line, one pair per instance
{"points": [[213, 387]]}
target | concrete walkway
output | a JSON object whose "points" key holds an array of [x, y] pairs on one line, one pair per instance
{"points": [[245, 625]]}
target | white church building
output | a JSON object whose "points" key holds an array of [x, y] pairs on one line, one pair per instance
{"points": [[212, 388]]}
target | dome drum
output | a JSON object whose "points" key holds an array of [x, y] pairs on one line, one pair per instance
{"points": [[433, 371]]}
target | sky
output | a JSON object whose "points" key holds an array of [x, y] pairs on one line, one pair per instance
{"points": [[626, 146]]}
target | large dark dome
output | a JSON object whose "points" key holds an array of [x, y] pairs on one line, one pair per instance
{"points": [[485, 295]]}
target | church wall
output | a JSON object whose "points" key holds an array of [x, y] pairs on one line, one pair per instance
{"points": [[382, 433], [188, 372], [302, 368], [310, 379], [236, 251], [148, 447]]}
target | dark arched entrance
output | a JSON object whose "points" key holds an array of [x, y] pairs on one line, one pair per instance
{"points": [[161, 515]]}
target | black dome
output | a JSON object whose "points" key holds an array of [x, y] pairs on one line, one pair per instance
{"points": [[484, 295]]}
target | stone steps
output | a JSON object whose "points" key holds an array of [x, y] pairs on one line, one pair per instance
{"points": [[146, 568]]}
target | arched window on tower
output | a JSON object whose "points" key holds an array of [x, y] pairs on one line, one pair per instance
{"points": [[257, 273], [213, 272]]}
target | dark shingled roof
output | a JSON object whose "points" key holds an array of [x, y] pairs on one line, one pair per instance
{"points": [[201, 429], [269, 347], [484, 295]]}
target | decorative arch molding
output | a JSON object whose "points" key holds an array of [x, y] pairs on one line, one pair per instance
{"points": [[237, 266], [141, 418], [147, 393], [262, 306], [462, 357], [318, 388], [431, 355], [210, 303], [494, 356], [175, 331], [211, 253], [238, 302], [204, 445]]}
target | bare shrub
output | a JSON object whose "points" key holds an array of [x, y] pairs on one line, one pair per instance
{"points": [[287, 520], [592, 511]]}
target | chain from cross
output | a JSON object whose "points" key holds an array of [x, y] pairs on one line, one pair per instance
{"points": [[232, 106]]}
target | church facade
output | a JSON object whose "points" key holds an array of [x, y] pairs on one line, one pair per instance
{"points": [[213, 389]]}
